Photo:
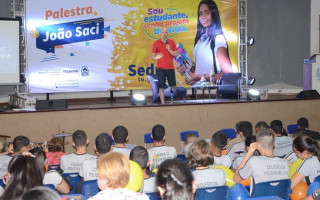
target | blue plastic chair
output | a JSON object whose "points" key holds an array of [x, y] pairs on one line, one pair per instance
{"points": [[147, 139], [51, 186], [317, 179], [265, 198], [183, 136], [74, 179], [154, 196], [53, 167], [182, 157], [280, 188], [2, 183], [291, 128], [230, 132], [212, 193], [89, 188]]}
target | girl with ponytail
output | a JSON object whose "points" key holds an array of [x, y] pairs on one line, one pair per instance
{"points": [[308, 150], [175, 181]]}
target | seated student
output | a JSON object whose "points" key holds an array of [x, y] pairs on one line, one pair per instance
{"points": [[175, 181], [265, 167], [304, 123], [40, 193], [219, 142], [55, 151], [158, 150], [200, 159], [283, 142], [23, 174], [4, 158], [88, 169], [20, 144], [244, 129], [140, 155], [71, 163], [247, 142], [291, 156], [52, 176], [120, 137], [308, 150], [113, 176], [188, 140], [261, 125]]}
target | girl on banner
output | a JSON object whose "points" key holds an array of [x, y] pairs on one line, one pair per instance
{"points": [[210, 45]]}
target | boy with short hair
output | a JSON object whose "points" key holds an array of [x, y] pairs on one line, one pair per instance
{"points": [[159, 152], [219, 142], [283, 143], [262, 168], [88, 169], [71, 163], [140, 155], [120, 137]]}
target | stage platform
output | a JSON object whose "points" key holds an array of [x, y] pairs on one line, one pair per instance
{"points": [[205, 115]]}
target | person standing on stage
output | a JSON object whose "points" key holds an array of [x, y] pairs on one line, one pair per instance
{"points": [[164, 50]]}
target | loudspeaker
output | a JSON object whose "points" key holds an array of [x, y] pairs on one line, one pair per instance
{"points": [[308, 94], [51, 104]]}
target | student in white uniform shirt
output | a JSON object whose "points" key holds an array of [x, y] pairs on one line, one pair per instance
{"points": [[200, 159], [308, 150], [4, 157], [219, 142], [283, 142], [292, 156], [261, 125], [120, 137], [88, 169], [244, 129], [160, 151], [265, 167], [140, 155], [71, 163], [50, 177], [248, 141]]}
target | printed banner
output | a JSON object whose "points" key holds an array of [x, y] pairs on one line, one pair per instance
{"points": [[100, 45]]}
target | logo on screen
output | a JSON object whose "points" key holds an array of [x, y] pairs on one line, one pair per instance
{"points": [[84, 71]]}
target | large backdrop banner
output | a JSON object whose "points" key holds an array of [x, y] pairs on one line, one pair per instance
{"points": [[100, 45]]}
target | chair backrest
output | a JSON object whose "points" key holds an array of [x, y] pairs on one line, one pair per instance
{"points": [[147, 139], [230, 85], [182, 157], [212, 193], [291, 128], [51, 186], [183, 136], [230, 132], [280, 188], [53, 167], [155, 90], [89, 188], [317, 179], [154, 196], [74, 179]]}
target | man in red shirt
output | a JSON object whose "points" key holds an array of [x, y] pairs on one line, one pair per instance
{"points": [[164, 50]]}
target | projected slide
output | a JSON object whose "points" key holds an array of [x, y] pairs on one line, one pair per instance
{"points": [[9, 52]]}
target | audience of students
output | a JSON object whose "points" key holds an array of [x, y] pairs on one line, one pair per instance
{"points": [[304, 123], [120, 137], [259, 157]]}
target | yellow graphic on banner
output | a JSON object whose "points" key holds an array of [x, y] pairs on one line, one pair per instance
{"points": [[133, 41]]}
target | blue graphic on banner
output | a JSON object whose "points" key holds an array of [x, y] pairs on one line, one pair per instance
{"points": [[67, 33]]}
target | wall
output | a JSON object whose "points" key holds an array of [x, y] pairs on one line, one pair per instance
{"points": [[315, 27], [206, 118]]}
